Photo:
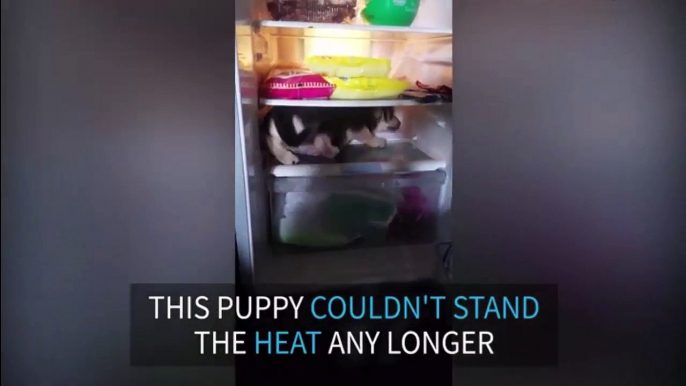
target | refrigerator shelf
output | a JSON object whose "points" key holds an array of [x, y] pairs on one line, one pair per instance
{"points": [[358, 159], [345, 103], [376, 31]]}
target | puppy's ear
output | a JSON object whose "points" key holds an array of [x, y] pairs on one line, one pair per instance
{"points": [[392, 122], [378, 114], [388, 114], [298, 124]]}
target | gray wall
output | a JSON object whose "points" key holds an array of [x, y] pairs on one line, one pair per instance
{"points": [[568, 153], [117, 167]]}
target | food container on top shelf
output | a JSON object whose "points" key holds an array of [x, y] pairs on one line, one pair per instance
{"points": [[316, 11], [399, 13]]}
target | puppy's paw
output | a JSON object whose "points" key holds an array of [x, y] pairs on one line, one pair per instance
{"points": [[288, 158], [331, 152], [377, 142], [310, 150], [292, 159]]}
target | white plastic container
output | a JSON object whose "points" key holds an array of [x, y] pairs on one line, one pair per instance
{"points": [[373, 203]]}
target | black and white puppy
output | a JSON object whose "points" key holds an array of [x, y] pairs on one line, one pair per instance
{"points": [[324, 131]]}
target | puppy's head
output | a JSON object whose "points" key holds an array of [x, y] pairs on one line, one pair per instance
{"points": [[387, 119]]}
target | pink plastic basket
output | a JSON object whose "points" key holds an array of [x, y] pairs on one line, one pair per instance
{"points": [[296, 85]]}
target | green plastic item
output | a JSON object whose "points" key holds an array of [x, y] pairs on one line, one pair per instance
{"points": [[340, 220], [315, 239], [398, 13], [349, 213]]}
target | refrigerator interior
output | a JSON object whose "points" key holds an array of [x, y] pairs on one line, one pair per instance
{"points": [[285, 209]]}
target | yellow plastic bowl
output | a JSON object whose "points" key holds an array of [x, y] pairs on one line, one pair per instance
{"points": [[367, 88], [349, 66]]}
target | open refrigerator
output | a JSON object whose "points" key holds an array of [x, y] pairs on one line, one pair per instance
{"points": [[375, 215]]}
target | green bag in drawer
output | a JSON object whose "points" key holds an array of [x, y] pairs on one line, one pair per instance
{"points": [[341, 219]]}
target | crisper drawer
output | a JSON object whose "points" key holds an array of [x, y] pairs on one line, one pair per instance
{"points": [[349, 210]]}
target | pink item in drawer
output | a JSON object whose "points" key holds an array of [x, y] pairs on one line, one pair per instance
{"points": [[296, 84]]}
